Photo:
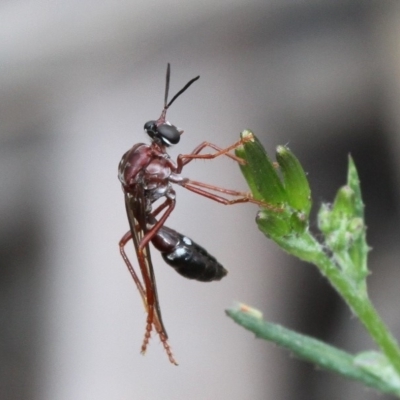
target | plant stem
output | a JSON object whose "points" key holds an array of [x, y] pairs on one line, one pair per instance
{"points": [[309, 349], [359, 303]]}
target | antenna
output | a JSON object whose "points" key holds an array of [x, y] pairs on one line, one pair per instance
{"points": [[182, 90], [167, 86], [166, 104]]}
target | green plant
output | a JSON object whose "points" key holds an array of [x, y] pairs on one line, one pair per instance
{"points": [[341, 258]]}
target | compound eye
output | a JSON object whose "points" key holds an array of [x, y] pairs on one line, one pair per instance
{"points": [[151, 128], [169, 134]]}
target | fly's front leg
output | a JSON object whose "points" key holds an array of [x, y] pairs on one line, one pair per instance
{"points": [[184, 159]]}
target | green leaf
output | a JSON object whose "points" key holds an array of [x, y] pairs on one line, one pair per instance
{"points": [[313, 350]]}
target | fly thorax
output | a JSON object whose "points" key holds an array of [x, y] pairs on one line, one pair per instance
{"points": [[156, 191], [157, 170]]}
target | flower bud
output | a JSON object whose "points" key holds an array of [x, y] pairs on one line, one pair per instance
{"points": [[294, 180]]}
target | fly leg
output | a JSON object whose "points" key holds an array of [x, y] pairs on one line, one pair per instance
{"points": [[184, 159], [148, 291], [204, 189], [147, 302], [122, 243], [153, 309], [154, 312]]}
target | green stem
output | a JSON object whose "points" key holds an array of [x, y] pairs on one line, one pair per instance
{"points": [[357, 300], [309, 349]]}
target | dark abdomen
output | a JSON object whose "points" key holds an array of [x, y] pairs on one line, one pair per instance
{"points": [[187, 257]]}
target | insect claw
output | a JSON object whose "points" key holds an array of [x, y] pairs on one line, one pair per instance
{"points": [[169, 353], [241, 161], [173, 361]]}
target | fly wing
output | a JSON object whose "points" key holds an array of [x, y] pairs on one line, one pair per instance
{"points": [[136, 212]]}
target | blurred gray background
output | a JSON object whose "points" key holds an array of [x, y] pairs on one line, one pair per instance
{"points": [[77, 82]]}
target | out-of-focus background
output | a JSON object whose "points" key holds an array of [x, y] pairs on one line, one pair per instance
{"points": [[78, 81]]}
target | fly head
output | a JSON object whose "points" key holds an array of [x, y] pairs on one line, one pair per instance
{"points": [[165, 134], [161, 131]]}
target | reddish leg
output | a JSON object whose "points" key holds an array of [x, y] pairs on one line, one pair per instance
{"points": [[151, 291], [218, 188], [151, 233], [146, 295], [196, 187], [160, 208], [149, 295], [184, 159], [242, 197], [125, 239], [153, 317]]}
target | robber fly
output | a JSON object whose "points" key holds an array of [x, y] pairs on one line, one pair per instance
{"points": [[147, 174]]}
